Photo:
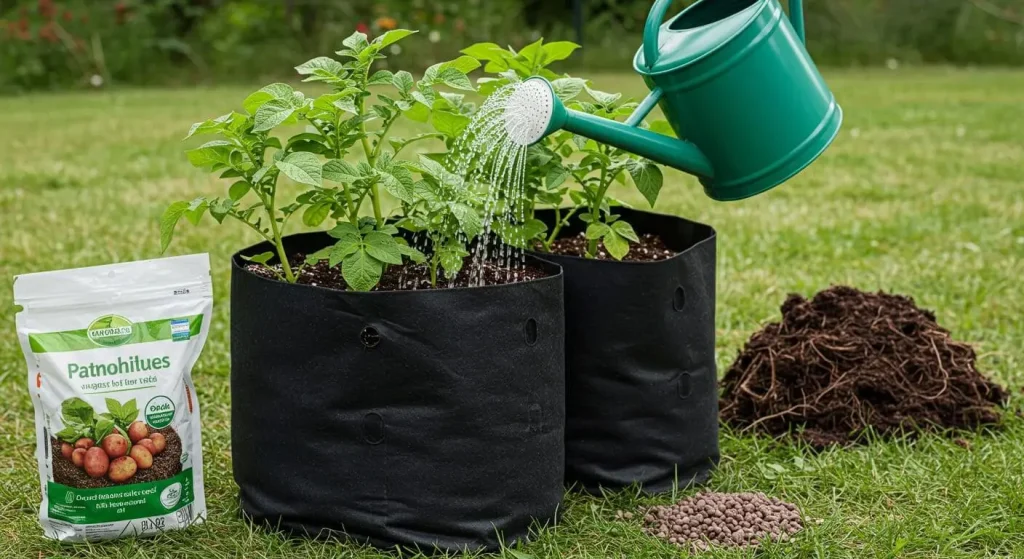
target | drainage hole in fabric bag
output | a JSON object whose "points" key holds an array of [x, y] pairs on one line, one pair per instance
{"points": [[373, 428], [684, 385], [679, 299], [530, 331], [370, 337]]}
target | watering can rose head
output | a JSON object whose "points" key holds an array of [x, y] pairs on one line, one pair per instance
{"points": [[732, 77]]}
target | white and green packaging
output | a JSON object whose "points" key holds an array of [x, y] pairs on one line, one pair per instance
{"points": [[110, 350]]}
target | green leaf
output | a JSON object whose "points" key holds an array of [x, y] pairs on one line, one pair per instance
{"points": [[485, 51], [381, 77], [391, 37], [273, 91], [238, 190], [361, 271], [556, 176], [616, 246], [625, 230], [403, 81], [453, 77], [559, 50], [413, 254], [533, 55], [302, 167], [568, 88], [663, 127], [102, 428], [533, 228], [271, 114], [648, 179], [261, 258], [449, 124], [344, 229], [323, 63], [316, 213], [399, 182], [487, 86], [76, 410], [208, 126], [322, 254], [383, 247], [469, 220], [196, 209], [338, 170], [168, 221], [346, 246], [356, 41], [606, 99], [130, 411], [418, 112], [220, 207], [452, 259], [596, 230], [210, 154], [464, 64], [70, 433], [520, 235]]}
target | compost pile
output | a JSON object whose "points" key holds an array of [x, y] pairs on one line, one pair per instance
{"points": [[723, 519], [847, 360]]}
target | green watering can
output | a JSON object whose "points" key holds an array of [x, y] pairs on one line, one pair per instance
{"points": [[732, 77]]}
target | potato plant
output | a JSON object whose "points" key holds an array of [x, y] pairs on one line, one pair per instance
{"points": [[563, 159], [346, 158]]}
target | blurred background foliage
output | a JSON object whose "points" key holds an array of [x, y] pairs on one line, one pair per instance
{"points": [[51, 44]]}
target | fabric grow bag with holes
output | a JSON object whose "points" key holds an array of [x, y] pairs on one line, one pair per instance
{"points": [[429, 419], [642, 396]]}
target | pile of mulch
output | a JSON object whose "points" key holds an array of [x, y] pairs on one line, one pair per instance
{"points": [[651, 248], [846, 361], [166, 464], [410, 276], [723, 520]]}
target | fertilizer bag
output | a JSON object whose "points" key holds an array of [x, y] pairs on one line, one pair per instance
{"points": [[110, 351]]}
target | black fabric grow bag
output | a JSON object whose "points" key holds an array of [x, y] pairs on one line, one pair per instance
{"points": [[640, 342], [429, 419]]}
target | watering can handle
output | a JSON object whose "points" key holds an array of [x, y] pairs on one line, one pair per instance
{"points": [[651, 30], [653, 26]]}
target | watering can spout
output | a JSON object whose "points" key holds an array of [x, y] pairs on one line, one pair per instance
{"points": [[666, 150]]}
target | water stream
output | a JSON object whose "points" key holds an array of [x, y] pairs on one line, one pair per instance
{"points": [[491, 155]]}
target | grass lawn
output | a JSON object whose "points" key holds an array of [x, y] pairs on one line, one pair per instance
{"points": [[922, 194]]}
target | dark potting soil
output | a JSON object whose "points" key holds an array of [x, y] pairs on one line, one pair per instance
{"points": [[651, 248], [166, 464], [408, 276], [846, 361], [723, 519]]}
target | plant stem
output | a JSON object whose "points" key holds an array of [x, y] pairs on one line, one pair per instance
{"points": [[595, 209], [353, 210], [278, 242], [251, 226], [559, 223], [371, 157], [375, 199], [433, 271]]}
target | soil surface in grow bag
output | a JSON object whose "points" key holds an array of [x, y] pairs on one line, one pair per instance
{"points": [[409, 276], [651, 248], [846, 361]]}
